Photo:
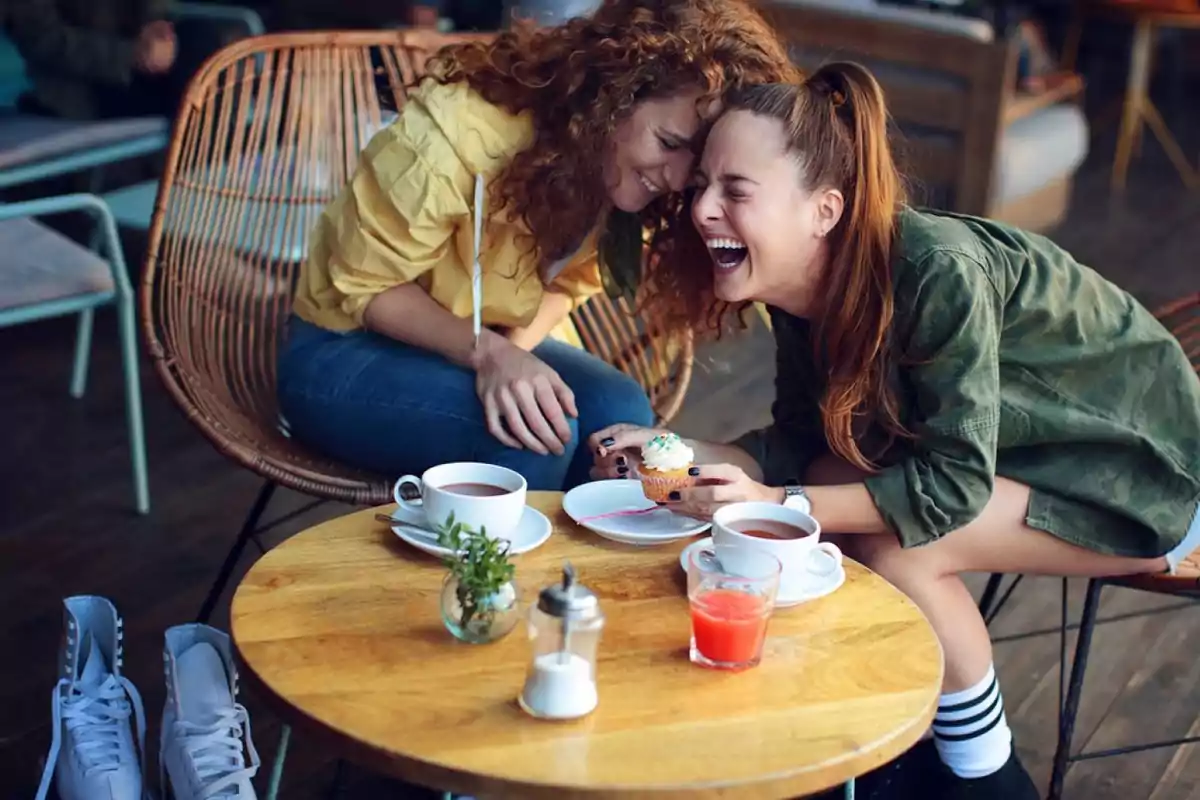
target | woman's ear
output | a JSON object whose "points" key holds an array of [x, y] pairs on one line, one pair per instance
{"points": [[828, 210]]}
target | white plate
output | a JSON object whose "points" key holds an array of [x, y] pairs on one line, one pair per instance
{"points": [[532, 531], [816, 586], [654, 527]]}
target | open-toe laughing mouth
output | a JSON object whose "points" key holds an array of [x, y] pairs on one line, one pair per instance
{"points": [[727, 253]]}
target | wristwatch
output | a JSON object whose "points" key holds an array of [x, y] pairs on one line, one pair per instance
{"points": [[796, 498]]}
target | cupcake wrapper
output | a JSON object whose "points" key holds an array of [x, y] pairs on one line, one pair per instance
{"points": [[658, 487]]}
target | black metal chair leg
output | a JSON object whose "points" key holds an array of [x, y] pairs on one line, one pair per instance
{"points": [[989, 593], [249, 529], [1070, 707], [337, 787], [1004, 598], [989, 606]]}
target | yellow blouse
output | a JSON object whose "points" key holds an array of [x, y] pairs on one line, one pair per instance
{"points": [[406, 215]]}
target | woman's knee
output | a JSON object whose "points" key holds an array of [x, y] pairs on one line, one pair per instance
{"points": [[543, 473], [900, 566], [604, 394], [618, 399]]}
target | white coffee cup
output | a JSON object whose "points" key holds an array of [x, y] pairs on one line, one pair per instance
{"points": [[481, 496], [804, 556]]}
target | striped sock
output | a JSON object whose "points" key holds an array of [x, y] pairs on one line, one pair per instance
{"points": [[970, 730]]}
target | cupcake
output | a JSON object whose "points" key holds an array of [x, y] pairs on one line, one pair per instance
{"points": [[666, 460]]}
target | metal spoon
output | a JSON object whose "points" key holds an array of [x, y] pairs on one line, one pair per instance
{"points": [[409, 527]]}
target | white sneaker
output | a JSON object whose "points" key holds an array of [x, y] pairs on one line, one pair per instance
{"points": [[92, 755], [205, 734]]}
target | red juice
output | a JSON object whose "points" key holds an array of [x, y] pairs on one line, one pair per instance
{"points": [[729, 626]]}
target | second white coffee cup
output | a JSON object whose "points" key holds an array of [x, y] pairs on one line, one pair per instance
{"points": [[790, 535], [481, 496]]}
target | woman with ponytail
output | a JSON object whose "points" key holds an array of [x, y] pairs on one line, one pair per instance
{"points": [[953, 395]]}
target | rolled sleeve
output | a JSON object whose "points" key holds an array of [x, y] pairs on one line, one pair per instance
{"points": [[951, 362], [393, 223]]}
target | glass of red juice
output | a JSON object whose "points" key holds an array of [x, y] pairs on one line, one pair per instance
{"points": [[730, 606]]}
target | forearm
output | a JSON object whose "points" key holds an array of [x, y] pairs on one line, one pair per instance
{"points": [[408, 314], [848, 508], [554, 308]]}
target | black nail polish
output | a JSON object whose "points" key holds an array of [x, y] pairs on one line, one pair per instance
{"points": [[674, 496], [621, 461], [622, 470], [694, 471], [609, 442]]}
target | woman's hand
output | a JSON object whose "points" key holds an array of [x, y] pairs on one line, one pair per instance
{"points": [[156, 46], [525, 401], [617, 450], [719, 485]]}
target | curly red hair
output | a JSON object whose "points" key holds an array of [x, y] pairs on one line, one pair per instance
{"points": [[580, 79]]}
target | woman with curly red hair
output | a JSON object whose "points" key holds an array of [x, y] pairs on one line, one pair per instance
{"points": [[584, 134]]}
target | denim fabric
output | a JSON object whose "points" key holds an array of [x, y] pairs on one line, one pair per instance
{"points": [[1189, 545], [381, 405]]}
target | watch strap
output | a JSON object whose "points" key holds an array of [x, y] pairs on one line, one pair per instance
{"points": [[795, 497]]}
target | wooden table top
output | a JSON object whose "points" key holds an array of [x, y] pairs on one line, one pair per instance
{"points": [[339, 629]]}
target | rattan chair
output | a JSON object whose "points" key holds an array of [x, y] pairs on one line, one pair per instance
{"points": [[269, 131], [1183, 319]]}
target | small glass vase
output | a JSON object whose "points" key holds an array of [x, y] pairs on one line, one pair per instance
{"points": [[475, 620]]}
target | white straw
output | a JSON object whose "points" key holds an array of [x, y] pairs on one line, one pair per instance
{"points": [[477, 270]]}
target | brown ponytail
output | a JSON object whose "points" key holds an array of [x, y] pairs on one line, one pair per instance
{"points": [[836, 122]]}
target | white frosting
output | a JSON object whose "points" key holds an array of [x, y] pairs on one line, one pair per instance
{"points": [[667, 452]]}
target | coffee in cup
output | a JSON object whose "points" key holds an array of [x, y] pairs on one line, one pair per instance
{"points": [[481, 496], [790, 535]]}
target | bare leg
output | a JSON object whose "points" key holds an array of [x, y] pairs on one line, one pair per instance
{"points": [[970, 731], [996, 541]]}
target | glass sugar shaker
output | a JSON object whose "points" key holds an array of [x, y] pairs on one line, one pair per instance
{"points": [[564, 632]]}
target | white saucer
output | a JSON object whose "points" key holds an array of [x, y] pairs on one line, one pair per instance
{"points": [[816, 586], [532, 531], [658, 525]]}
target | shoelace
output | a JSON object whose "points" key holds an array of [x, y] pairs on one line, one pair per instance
{"points": [[96, 716], [216, 751]]}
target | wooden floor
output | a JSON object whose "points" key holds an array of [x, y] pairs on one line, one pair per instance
{"points": [[66, 527]]}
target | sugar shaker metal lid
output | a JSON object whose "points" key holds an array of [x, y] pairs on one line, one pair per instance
{"points": [[569, 599]]}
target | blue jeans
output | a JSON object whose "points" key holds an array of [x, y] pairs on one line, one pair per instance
{"points": [[366, 400]]}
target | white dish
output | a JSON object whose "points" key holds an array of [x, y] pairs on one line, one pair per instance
{"points": [[657, 526], [532, 531], [815, 587]]}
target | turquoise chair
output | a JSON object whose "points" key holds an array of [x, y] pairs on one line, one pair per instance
{"points": [[44, 274], [54, 276]]}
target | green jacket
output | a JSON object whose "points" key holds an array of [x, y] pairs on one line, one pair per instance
{"points": [[1013, 360], [73, 48]]}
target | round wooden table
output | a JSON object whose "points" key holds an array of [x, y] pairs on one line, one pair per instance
{"points": [[339, 629]]}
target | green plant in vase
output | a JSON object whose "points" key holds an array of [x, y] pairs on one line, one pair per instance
{"points": [[479, 599]]}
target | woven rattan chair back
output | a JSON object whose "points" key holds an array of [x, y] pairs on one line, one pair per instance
{"points": [[269, 131]]}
